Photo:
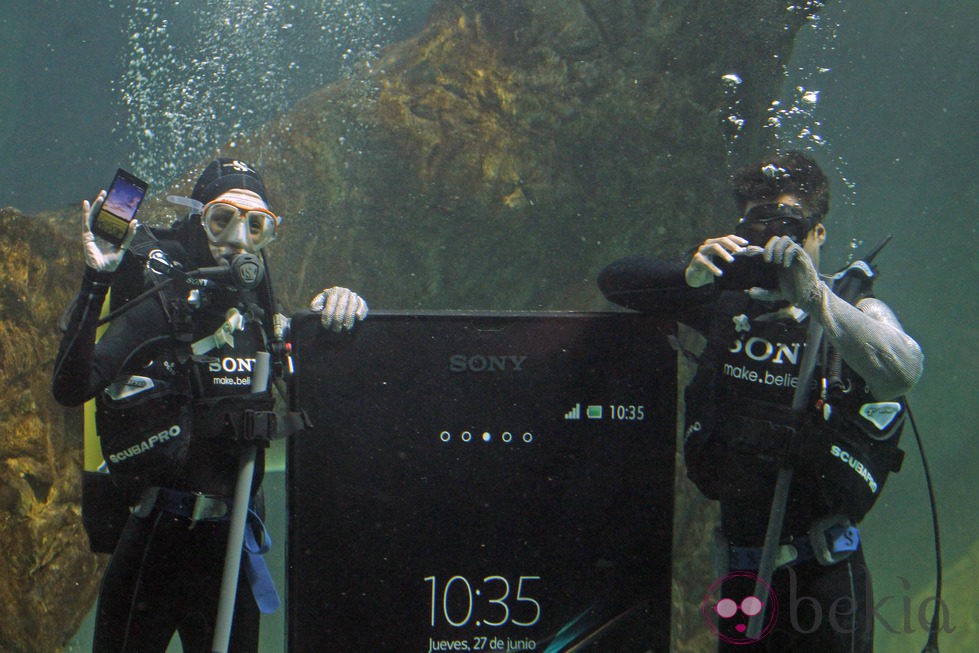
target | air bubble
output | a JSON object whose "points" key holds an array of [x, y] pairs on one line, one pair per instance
{"points": [[201, 76]]}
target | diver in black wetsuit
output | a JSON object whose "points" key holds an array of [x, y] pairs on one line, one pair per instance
{"points": [[172, 379], [752, 294]]}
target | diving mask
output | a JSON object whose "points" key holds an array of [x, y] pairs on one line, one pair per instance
{"points": [[764, 221], [228, 223]]}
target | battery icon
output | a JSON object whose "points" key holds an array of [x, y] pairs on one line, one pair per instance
{"points": [[594, 412]]}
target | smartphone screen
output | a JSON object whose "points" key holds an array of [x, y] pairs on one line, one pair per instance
{"points": [[124, 197]]}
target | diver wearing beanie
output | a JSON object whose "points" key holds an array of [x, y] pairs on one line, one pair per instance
{"points": [[172, 378]]}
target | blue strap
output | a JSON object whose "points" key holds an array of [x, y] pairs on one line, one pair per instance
{"points": [[843, 539], [746, 558], [256, 571], [841, 542], [191, 505]]}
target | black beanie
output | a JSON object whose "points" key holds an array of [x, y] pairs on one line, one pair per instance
{"points": [[221, 175]]}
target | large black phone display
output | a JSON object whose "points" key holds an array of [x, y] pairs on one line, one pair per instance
{"points": [[482, 482]]}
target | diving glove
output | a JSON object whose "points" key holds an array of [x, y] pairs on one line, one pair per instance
{"points": [[100, 255], [339, 308], [798, 281]]}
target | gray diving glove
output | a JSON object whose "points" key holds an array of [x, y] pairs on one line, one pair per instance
{"points": [[339, 308], [100, 255], [798, 281]]}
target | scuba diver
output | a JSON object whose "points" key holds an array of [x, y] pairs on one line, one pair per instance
{"points": [[174, 381], [751, 411]]}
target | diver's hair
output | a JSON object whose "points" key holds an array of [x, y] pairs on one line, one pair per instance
{"points": [[792, 172]]}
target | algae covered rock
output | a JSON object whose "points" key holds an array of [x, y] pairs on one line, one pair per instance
{"points": [[505, 154], [49, 576]]}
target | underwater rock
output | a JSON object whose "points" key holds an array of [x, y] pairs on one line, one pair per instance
{"points": [[49, 575], [497, 160], [500, 158]]}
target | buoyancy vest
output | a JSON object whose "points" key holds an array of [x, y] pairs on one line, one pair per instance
{"points": [[740, 426], [173, 414]]}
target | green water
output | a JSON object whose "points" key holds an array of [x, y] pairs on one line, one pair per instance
{"points": [[898, 108], [895, 116]]}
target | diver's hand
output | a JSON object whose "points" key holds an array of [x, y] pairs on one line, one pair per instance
{"points": [[703, 266], [798, 281], [339, 308], [100, 255]]}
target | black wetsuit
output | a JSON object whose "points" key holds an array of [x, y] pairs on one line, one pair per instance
{"points": [[165, 572], [738, 416]]}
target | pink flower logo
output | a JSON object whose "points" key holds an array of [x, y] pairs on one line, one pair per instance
{"points": [[731, 602]]}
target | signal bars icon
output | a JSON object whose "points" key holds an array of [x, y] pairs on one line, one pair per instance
{"points": [[593, 412]]}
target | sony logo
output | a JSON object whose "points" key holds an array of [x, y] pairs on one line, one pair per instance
{"points": [[480, 363], [759, 349], [229, 364]]}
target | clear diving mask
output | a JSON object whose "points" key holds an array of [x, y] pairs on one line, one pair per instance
{"points": [[228, 223]]}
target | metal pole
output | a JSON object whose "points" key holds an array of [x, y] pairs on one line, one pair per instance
{"points": [[846, 287], [239, 518], [780, 497]]}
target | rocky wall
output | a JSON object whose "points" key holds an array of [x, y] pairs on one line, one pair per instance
{"points": [[504, 155], [48, 575]]}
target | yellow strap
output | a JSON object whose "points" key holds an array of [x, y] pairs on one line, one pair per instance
{"points": [[93, 449]]}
